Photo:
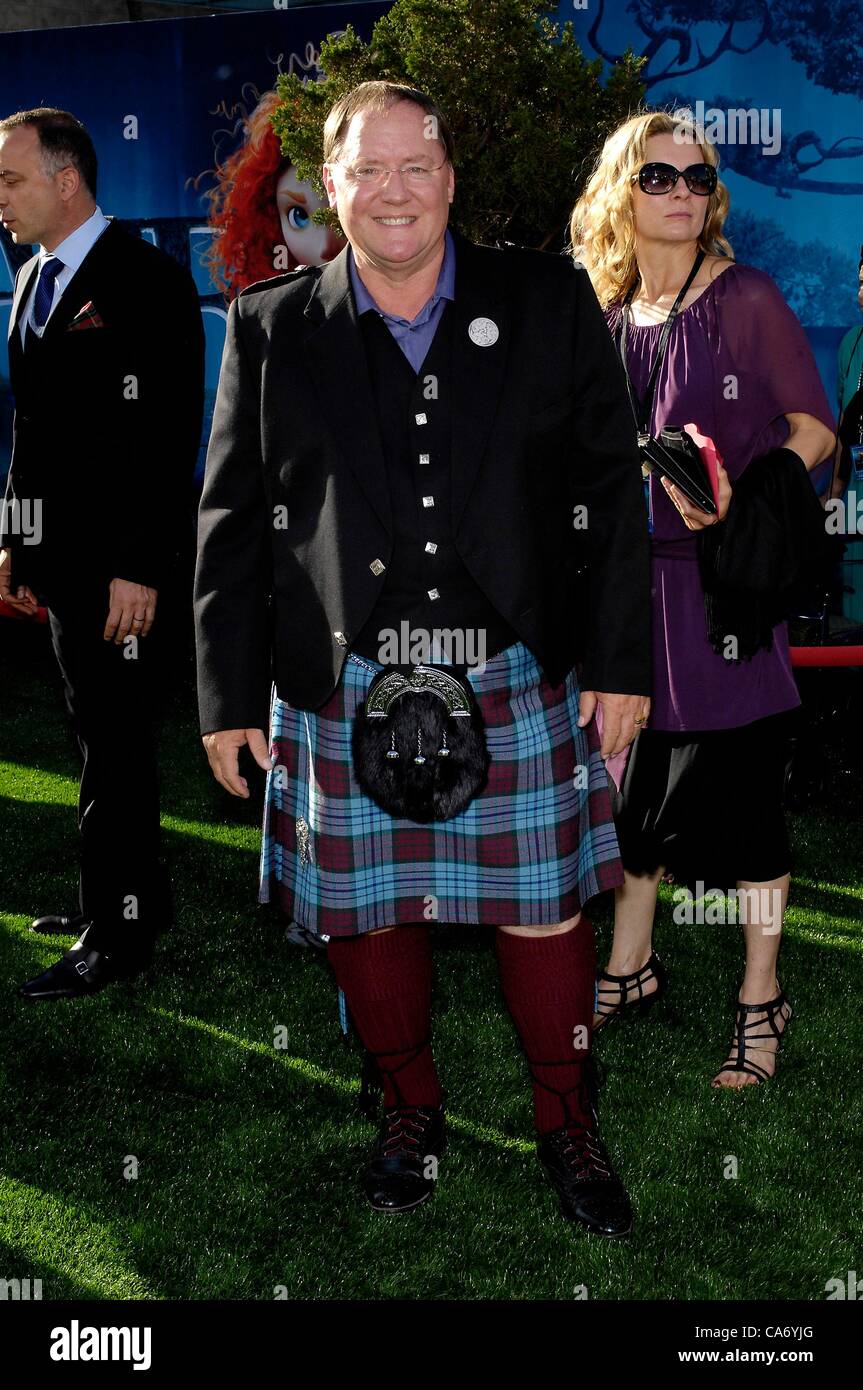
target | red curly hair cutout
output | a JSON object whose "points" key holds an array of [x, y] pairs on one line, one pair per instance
{"points": [[243, 209]]}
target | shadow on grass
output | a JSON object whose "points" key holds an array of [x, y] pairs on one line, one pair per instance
{"points": [[40, 861], [248, 1155]]}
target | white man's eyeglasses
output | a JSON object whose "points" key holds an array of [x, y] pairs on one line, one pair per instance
{"points": [[415, 174]]}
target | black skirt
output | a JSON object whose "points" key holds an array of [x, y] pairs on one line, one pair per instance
{"points": [[708, 806]]}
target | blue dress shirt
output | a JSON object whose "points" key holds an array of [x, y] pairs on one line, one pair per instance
{"points": [[414, 336]]}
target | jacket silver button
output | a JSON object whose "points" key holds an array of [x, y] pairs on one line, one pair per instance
{"points": [[428, 501], [377, 566], [425, 458], [434, 593], [341, 639], [431, 547], [422, 418]]}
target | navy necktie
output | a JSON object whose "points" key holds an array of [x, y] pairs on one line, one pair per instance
{"points": [[45, 290]]}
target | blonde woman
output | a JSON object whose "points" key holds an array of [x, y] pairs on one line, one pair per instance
{"points": [[702, 791]]}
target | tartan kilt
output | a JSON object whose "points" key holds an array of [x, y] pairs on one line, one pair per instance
{"points": [[529, 850]]}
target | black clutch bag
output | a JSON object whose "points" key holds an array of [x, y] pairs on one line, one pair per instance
{"points": [[419, 745], [675, 455]]}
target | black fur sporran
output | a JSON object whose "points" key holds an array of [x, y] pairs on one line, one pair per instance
{"points": [[419, 744]]}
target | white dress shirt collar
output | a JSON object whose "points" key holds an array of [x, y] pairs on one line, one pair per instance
{"points": [[75, 246], [71, 251]]}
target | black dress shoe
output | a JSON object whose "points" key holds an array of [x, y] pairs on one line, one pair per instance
{"points": [[81, 971], [590, 1191], [57, 925], [400, 1174]]}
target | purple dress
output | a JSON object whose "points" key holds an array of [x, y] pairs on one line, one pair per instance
{"points": [[737, 362]]}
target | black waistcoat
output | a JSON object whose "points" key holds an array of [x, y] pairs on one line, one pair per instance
{"points": [[427, 585]]}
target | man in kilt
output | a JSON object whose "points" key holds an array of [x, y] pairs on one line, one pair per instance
{"points": [[423, 436]]}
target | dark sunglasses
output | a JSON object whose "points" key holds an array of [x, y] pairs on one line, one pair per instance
{"points": [[661, 178]]}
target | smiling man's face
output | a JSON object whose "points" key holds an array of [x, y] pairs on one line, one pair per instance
{"points": [[398, 226]]}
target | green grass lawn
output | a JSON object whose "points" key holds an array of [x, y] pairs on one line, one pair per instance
{"points": [[248, 1156]]}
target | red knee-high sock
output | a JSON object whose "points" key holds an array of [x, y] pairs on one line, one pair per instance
{"points": [[547, 982], [386, 977]]}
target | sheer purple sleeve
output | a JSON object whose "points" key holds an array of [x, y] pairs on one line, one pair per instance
{"points": [[767, 340]]}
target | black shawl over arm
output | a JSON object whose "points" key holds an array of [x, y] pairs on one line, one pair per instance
{"points": [[771, 544]]}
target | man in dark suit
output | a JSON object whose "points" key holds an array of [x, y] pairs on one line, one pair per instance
{"points": [[432, 433], [106, 367]]}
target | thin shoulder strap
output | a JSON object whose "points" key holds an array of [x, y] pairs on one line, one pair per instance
{"points": [[642, 409]]}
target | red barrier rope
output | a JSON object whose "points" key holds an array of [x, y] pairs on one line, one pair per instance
{"points": [[827, 656]]}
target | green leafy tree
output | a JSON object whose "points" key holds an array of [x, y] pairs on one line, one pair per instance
{"points": [[528, 111]]}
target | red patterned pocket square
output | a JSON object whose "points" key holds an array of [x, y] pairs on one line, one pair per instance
{"points": [[86, 317]]}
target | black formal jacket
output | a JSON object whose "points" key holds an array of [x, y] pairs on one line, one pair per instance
{"points": [[296, 506], [108, 414]]}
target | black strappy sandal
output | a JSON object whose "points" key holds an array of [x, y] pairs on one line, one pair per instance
{"points": [[653, 969], [744, 1038]]}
